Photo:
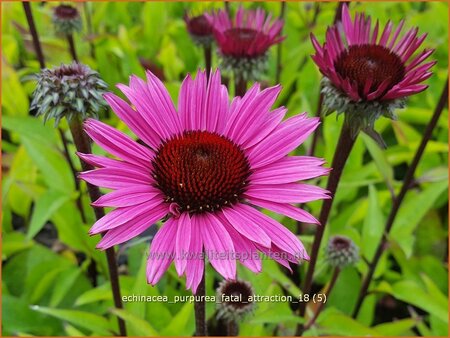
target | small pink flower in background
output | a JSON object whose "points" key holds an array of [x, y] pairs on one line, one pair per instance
{"points": [[243, 41], [250, 34], [375, 67], [205, 168]]}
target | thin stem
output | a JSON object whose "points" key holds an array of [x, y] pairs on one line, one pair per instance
{"points": [[321, 305], [34, 34], [232, 328], [409, 177], [227, 6], [74, 174], [199, 308], [240, 85], [72, 49], [89, 28], [83, 145], [207, 53], [342, 152], [279, 48]]}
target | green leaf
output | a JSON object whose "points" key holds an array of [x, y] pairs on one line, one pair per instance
{"points": [[137, 326], [430, 300], [182, 324], [65, 283], [99, 293], [380, 158], [397, 328], [413, 209], [332, 322], [14, 242], [52, 164], [96, 324], [44, 209], [373, 226]]}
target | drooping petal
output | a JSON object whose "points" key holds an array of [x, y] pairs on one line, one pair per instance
{"points": [[182, 242], [161, 251]]}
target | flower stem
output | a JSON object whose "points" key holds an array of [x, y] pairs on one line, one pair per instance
{"points": [[409, 177], [240, 85], [278, 69], [34, 33], [72, 49], [74, 174], [342, 152], [199, 308], [322, 304], [232, 328], [83, 145], [207, 54]]}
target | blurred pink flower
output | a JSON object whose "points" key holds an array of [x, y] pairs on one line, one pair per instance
{"points": [[199, 29], [204, 169], [249, 35]]}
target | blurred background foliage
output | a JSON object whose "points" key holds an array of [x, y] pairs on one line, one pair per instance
{"points": [[47, 286]]}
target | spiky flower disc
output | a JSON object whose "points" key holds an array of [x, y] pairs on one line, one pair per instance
{"points": [[204, 169], [368, 74], [234, 299], [244, 41], [66, 20], [68, 90], [199, 29], [341, 251]]}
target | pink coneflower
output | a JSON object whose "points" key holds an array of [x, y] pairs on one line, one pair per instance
{"points": [[204, 169], [244, 41], [369, 72], [199, 29]]}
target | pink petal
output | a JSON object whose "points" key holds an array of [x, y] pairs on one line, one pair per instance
{"points": [[182, 242], [125, 232], [287, 193], [284, 209], [241, 218], [195, 265], [117, 143], [115, 178], [133, 120], [218, 246], [161, 251], [128, 196]]}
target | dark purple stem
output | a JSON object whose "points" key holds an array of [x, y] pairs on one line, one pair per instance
{"points": [[200, 311], [34, 34], [322, 304], [240, 86], [207, 53], [409, 177], [232, 328], [83, 145], [72, 49], [342, 152]]}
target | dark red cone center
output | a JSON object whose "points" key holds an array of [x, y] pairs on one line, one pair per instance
{"points": [[201, 171], [241, 36], [363, 63]]}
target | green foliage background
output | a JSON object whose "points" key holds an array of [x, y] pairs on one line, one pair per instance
{"points": [[45, 285]]}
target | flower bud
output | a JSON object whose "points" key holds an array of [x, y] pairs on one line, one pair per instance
{"points": [[234, 299], [66, 20], [341, 251], [68, 90]]}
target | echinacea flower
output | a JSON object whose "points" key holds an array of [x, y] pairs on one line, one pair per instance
{"points": [[368, 73], [199, 29], [66, 19], [244, 41], [204, 169], [68, 91]]}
